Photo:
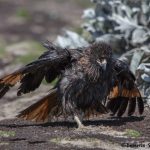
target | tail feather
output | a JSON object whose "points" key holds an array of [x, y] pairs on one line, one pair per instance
{"points": [[41, 110], [114, 105], [122, 107]]}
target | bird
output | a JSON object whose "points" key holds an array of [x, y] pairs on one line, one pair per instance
{"points": [[90, 81]]}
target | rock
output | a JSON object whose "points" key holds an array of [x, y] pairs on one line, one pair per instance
{"points": [[139, 36], [71, 40]]}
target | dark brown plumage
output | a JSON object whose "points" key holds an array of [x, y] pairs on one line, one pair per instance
{"points": [[87, 77]]}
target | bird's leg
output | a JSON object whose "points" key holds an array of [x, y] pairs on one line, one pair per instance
{"points": [[79, 123], [81, 127]]}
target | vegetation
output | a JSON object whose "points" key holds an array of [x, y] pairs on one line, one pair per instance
{"points": [[23, 13], [132, 133], [7, 133]]}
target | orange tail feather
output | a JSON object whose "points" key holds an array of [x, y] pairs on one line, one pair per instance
{"points": [[43, 109]]}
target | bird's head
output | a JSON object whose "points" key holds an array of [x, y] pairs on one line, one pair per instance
{"points": [[100, 54], [96, 61]]}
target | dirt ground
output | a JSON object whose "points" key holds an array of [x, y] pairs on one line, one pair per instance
{"points": [[103, 133], [24, 20]]}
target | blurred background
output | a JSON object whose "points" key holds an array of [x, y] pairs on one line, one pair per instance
{"points": [[25, 24], [124, 24]]}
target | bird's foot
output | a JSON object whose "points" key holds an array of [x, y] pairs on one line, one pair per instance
{"points": [[81, 127], [84, 128]]}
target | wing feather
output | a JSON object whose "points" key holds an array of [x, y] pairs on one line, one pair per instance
{"points": [[122, 107], [31, 75], [132, 106]]}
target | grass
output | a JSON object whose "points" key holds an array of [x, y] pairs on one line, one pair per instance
{"points": [[26, 59], [35, 50], [23, 13], [53, 83], [78, 30], [132, 133], [84, 3], [2, 49], [80, 3], [7, 133]]}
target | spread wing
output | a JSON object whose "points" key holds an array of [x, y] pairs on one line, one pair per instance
{"points": [[48, 66], [124, 92]]}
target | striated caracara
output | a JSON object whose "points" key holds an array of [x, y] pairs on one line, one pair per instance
{"points": [[90, 82]]}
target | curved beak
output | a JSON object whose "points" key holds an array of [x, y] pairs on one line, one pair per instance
{"points": [[103, 64]]}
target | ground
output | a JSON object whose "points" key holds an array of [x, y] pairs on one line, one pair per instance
{"points": [[24, 25], [103, 133]]}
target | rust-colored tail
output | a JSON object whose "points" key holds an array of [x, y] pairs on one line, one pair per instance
{"points": [[43, 109]]}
